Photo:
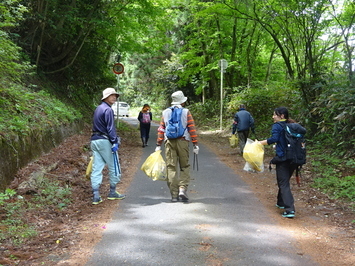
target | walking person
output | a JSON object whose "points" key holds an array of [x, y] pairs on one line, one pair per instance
{"points": [[284, 168], [145, 118], [104, 144], [243, 122], [177, 150]]}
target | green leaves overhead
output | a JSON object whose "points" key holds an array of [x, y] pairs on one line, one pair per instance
{"points": [[168, 45]]}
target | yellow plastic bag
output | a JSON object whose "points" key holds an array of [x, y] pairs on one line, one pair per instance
{"points": [[89, 168], [253, 153], [155, 167], [233, 141]]}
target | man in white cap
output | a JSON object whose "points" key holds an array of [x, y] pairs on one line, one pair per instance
{"points": [[177, 149], [104, 145]]}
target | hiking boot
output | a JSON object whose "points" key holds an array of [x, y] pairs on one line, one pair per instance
{"points": [[96, 201], [290, 214], [115, 195], [182, 194], [280, 207], [174, 199]]}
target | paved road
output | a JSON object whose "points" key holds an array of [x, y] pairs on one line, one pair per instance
{"points": [[223, 224]]}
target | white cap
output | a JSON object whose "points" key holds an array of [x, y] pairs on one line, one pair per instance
{"points": [[107, 92], [178, 97]]}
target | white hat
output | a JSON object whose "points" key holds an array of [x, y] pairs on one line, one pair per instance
{"points": [[107, 92], [178, 97]]}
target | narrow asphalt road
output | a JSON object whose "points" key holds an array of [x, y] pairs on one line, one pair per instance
{"points": [[223, 224]]}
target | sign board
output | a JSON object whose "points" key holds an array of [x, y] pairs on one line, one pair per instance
{"points": [[223, 64], [118, 68]]}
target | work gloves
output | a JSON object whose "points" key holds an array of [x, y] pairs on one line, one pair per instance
{"points": [[196, 149], [158, 148], [114, 147]]}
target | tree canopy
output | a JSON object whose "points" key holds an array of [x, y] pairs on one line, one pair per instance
{"points": [[287, 52]]}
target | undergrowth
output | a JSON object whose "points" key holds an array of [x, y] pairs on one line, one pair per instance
{"points": [[23, 110], [333, 174], [16, 227]]}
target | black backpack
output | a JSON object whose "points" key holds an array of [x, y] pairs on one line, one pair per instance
{"points": [[296, 143], [296, 147]]}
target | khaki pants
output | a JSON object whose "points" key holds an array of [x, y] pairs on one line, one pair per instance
{"points": [[177, 155]]}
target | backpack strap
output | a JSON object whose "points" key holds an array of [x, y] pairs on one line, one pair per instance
{"points": [[298, 175]]}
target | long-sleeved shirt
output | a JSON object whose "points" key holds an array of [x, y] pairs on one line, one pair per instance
{"points": [[243, 120], [187, 121], [104, 124], [278, 137]]}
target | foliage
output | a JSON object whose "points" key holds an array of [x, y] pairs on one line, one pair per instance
{"points": [[335, 110], [336, 187], [51, 193], [11, 64], [24, 110], [331, 174], [206, 115], [261, 102], [11, 12], [14, 222]]}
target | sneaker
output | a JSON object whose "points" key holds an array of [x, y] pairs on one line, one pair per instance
{"points": [[174, 199], [280, 207], [115, 195], [290, 214], [182, 194], [96, 201]]}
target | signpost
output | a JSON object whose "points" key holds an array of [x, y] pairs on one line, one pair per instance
{"points": [[118, 69], [223, 64]]}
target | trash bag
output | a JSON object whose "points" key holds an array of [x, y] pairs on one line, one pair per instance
{"points": [[155, 167], [233, 141], [253, 154], [89, 168]]}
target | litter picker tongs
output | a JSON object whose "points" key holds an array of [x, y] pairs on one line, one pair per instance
{"points": [[195, 162]]}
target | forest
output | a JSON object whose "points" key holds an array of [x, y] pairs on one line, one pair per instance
{"points": [[57, 56]]}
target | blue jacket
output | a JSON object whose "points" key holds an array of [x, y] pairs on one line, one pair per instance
{"points": [[243, 121], [104, 124], [278, 137]]}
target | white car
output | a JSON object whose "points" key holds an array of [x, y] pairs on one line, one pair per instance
{"points": [[123, 109]]}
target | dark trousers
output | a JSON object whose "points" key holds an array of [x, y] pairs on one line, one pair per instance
{"points": [[242, 135], [284, 171], [145, 129]]}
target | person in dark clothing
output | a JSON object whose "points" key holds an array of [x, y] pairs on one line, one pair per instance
{"points": [[104, 144], [243, 122], [145, 119], [284, 169]]}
